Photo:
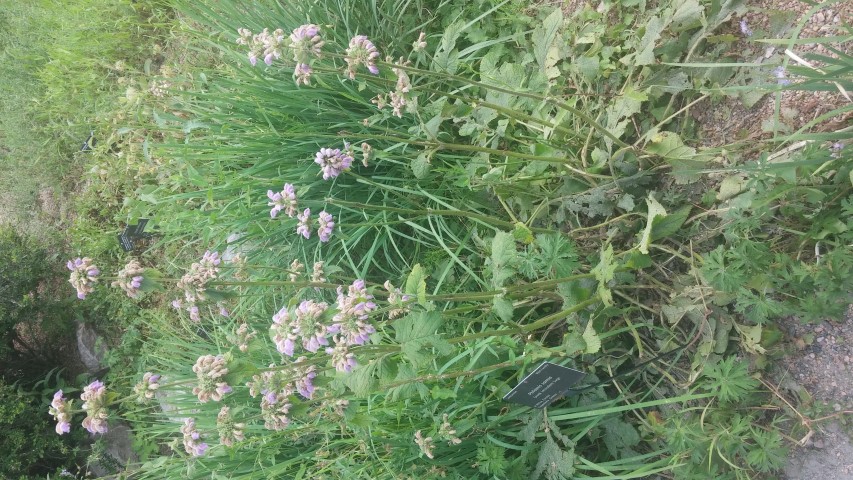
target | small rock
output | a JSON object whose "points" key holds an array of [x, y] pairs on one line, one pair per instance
{"points": [[818, 444], [820, 339], [818, 329], [812, 356], [837, 407]]}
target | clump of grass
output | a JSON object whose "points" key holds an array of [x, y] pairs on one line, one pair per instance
{"points": [[531, 195]]}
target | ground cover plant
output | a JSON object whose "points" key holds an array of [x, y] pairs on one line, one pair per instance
{"points": [[403, 208]]}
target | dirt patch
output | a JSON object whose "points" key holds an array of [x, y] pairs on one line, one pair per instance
{"points": [[818, 371], [748, 117]]}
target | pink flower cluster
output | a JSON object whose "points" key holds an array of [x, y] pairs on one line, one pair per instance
{"points": [[61, 411], [305, 41], [130, 279], [210, 369], [192, 439], [284, 200], [303, 323], [194, 283], [354, 308], [398, 300], [243, 335], [229, 431], [94, 403], [84, 275], [361, 51], [274, 387], [333, 162], [265, 44], [325, 225], [147, 388], [399, 97]]}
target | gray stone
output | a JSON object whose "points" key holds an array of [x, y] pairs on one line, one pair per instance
{"points": [[90, 347]]}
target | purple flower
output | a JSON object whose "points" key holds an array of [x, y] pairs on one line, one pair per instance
{"points": [[192, 437], [61, 411], [282, 332], [284, 200], [302, 73], [342, 358], [327, 225], [94, 398], [744, 28], [130, 279], [83, 277], [333, 162], [354, 309], [308, 324], [306, 43], [781, 76], [304, 226], [305, 380], [361, 51]]}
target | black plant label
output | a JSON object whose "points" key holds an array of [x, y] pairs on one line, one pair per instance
{"points": [[542, 386]]}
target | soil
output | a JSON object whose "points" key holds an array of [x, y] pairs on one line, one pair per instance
{"points": [[819, 370]]}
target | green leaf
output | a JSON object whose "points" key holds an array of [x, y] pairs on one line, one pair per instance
{"points": [[522, 234], [503, 259], [545, 50], [592, 340], [557, 254], [667, 226], [655, 210], [627, 105], [619, 437], [409, 389], [626, 202], [645, 51], [362, 380], [416, 331], [554, 463], [421, 165], [604, 272], [573, 343], [502, 307], [684, 160], [416, 284], [446, 57]]}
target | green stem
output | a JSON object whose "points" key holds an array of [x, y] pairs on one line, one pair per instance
{"points": [[533, 96], [431, 211], [541, 323]]}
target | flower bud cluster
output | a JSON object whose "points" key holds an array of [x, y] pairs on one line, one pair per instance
{"points": [[130, 279], [84, 275], [397, 299], [192, 439], [361, 51], [264, 45], [447, 432], [317, 273], [194, 282], [60, 408], [147, 388], [210, 369], [284, 200], [94, 403], [354, 309], [243, 335], [229, 431], [425, 443], [333, 162]]}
